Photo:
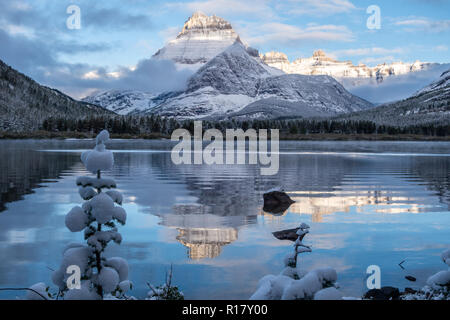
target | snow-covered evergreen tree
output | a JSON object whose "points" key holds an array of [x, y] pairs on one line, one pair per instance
{"points": [[101, 277]]}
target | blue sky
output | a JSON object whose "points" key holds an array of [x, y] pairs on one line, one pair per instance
{"points": [[116, 35]]}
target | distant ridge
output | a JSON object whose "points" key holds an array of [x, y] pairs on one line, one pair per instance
{"points": [[321, 64]]}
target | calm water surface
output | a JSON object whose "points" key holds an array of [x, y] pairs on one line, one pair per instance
{"points": [[366, 202]]}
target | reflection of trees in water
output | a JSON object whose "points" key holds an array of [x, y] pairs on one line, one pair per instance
{"points": [[435, 172], [237, 189], [22, 170]]}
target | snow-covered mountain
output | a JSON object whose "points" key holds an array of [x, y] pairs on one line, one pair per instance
{"points": [[428, 106], [440, 87], [236, 84], [201, 39], [321, 64], [122, 101]]}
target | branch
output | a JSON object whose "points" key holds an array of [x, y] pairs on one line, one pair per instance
{"points": [[152, 288], [169, 278], [20, 289]]}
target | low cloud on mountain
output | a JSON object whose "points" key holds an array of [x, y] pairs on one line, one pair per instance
{"points": [[394, 88]]}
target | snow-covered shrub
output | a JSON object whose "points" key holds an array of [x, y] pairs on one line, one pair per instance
{"points": [[446, 257], [295, 284], [166, 291], [97, 218]]}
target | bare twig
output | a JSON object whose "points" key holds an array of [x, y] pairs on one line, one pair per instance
{"points": [[169, 281], [21, 289], [152, 288]]}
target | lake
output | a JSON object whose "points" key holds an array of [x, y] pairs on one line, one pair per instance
{"points": [[368, 203]]}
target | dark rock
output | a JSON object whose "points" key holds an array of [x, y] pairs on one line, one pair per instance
{"points": [[410, 290], [374, 294], [410, 278], [290, 234], [385, 293], [391, 292], [276, 202]]}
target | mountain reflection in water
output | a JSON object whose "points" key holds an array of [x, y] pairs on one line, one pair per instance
{"points": [[367, 203]]}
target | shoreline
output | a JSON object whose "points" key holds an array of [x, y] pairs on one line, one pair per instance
{"points": [[43, 135]]}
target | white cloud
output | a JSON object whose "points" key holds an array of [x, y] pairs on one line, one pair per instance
{"points": [[316, 7], [21, 6], [367, 51], [16, 30], [291, 35], [250, 9], [425, 24], [440, 48], [170, 33], [395, 88], [377, 60]]}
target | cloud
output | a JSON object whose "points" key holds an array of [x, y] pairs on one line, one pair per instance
{"points": [[292, 35], [30, 55], [255, 8], [377, 60], [424, 24], [394, 88], [45, 17], [150, 75], [367, 51], [77, 79], [33, 37], [440, 48], [316, 7], [114, 18]]}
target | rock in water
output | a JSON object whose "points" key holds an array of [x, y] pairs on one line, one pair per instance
{"points": [[289, 234], [276, 202], [410, 278], [385, 293], [410, 291]]}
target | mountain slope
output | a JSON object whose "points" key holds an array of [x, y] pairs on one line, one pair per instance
{"points": [[122, 101], [431, 105], [233, 80], [24, 103]]}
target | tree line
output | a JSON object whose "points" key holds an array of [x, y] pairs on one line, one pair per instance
{"points": [[136, 125]]}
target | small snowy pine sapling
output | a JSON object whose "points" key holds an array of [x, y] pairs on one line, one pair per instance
{"points": [[97, 217]]}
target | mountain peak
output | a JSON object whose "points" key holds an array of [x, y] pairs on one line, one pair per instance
{"points": [[201, 39], [274, 57], [199, 24], [319, 54]]}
